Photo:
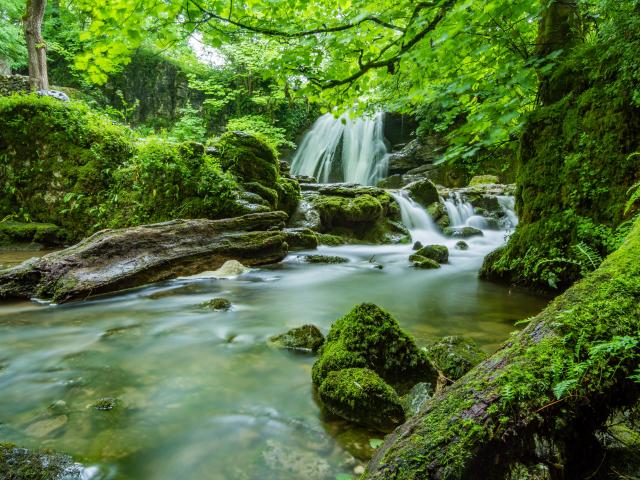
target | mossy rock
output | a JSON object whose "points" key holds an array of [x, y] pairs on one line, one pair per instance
{"points": [[462, 245], [361, 396], [438, 253], [424, 263], [330, 259], [369, 337], [106, 403], [218, 304], [248, 158], [22, 464], [307, 338], [483, 180], [301, 239], [454, 356], [424, 192], [46, 234], [331, 240], [462, 232]]}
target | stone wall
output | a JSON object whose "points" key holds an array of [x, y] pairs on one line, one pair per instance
{"points": [[10, 84]]}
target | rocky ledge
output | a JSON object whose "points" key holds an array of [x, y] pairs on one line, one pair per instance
{"points": [[113, 260]]}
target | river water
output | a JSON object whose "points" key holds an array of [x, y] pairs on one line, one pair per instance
{"points": [[201, 394]]}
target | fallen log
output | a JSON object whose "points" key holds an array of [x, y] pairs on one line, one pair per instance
{"points": [[530, 410], [112, 260]]}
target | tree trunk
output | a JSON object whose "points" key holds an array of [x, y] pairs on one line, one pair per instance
{"points": [[504, 420], [557, 32], [36, 48]]}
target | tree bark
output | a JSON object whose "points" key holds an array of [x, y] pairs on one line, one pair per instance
{"points": [[503, 419], [36, 48], [112, 260]]}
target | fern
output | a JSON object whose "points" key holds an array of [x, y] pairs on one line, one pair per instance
{"points": [[634, 191], [588, 256]]}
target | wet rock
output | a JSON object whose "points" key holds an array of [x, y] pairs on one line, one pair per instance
{"points": [[438, 213], [462, 245], [106, 403], [439, 253], [57, 94], [424, 192], [307, 338], [462, 232], [454, 356], [289, 462], [218, 304], [417, 246], [418, 261], [323, 259], [22, 464], [112, 260], [413, 401], [361, 396], [393, 181], [484, 180], [301, 239], [369, 337]]}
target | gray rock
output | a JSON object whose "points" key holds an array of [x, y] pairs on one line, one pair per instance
{"points": [[63, 97], [307, 338], [462, 232]]}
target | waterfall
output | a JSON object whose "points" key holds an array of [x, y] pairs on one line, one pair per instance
{"points": [[508, 205], [458, 209], [362, 159], [414, 217]]}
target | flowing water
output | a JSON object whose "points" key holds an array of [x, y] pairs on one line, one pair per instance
{"points": [[343, 150], [201, 394]]}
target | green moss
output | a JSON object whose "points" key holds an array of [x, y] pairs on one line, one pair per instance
{"points": [[455, 356], [324, 259], [370, 337], [423, 263], [462, 232], [361, 396], [22, 464], [217, 304], [575, 169], [424, 192], [307, 338], [438, 253], [57, 160], [483, 180], [248, 158], [45, 234]]}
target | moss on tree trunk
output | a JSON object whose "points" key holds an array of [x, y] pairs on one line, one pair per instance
{"points": [[537, 401]]}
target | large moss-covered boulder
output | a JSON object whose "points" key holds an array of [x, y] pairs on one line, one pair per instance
{"points": [[256, 166], [454, 356], [361, 396], [369, 337], [353, 212]]}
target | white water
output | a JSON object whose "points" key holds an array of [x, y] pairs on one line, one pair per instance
{"points": [[459, 210], [415, 218], [362, 158]]}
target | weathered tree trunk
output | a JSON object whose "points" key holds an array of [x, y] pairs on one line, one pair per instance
{"points": [[36, 48], [557, 32], [113, 260], [503, 420]]}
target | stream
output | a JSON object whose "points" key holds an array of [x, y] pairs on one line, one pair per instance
{"points": [[201, 395]]}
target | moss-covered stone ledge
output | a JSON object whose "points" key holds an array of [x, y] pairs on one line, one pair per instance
{"points": [[536, 403]]}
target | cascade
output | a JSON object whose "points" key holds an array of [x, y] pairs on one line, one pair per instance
{"points": [[343, 150], [508, 205], [414, 217], [458, 209]]}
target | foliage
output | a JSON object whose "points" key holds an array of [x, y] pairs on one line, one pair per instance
{"points": [[191, 126], [260, 126], [12, 45]]}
